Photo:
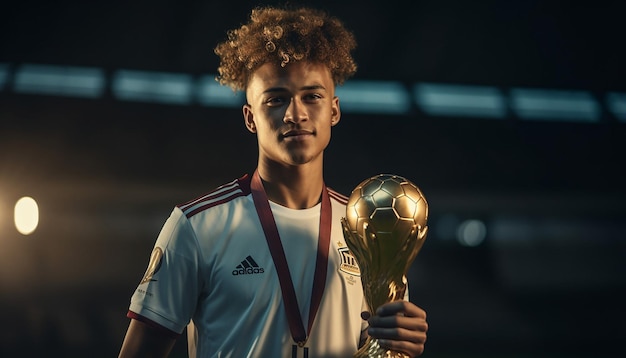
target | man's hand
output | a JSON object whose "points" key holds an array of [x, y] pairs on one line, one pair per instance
{"points": [[399, 326]]}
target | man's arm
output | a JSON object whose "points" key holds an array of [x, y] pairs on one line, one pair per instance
{"points": [[144, 340]]}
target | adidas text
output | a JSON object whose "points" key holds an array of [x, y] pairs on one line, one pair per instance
{"points": [[248, 271]]}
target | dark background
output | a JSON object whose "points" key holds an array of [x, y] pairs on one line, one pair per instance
{"points": [[548, 281]]}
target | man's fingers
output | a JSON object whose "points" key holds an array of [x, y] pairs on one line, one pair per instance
{"points": [[404, 308]]}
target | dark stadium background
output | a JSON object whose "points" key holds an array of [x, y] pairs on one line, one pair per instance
{"points": [[107, 172]]}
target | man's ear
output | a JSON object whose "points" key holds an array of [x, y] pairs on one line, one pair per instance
{"points": [[335, 112], [248, 118]]}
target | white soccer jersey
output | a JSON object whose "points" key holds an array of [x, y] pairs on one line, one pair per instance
{"points": [[211, 265]]}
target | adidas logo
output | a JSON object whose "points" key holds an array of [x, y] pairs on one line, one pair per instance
{"points": [[247, 267]]}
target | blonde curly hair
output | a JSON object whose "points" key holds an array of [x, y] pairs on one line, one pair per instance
{"points": [[283, 36]]}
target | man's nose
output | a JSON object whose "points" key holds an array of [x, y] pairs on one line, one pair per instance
{"points": [[295, 112]]}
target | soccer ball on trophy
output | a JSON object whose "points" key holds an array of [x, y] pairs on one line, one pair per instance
{"points": [[385, 227]]}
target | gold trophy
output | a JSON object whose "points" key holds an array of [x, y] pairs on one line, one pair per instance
{"points": [[385, 227]]}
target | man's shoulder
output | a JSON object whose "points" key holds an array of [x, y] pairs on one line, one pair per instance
{"points": [[221, 195], [337, 196]]}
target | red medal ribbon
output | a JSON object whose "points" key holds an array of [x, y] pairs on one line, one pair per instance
{"points": [[280, 261]]}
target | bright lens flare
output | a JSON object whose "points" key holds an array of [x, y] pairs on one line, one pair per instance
{"points": [[26, 215]]}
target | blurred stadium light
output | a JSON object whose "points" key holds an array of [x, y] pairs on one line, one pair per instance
{"points": [[458, 100], [543, 104], [616, 102], [26, 215], [144, 86], [374, 97], [85, 82], [357, 96], [211, 93]]}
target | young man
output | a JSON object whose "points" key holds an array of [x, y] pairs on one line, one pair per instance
{"points": [[259, 266]]}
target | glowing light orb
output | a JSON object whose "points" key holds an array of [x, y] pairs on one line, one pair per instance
{"points": [[26, 215]]}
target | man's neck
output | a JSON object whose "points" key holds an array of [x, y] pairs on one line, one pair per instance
{"points": [[295, 187]]}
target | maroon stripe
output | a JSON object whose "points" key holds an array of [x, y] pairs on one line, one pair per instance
{"points": [[166, 331], [212, 204], [208, 197], [242, 184], [321, 263], [337, 196]]}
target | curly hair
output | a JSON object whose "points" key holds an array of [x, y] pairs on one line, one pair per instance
{"points": [[283, 36]]}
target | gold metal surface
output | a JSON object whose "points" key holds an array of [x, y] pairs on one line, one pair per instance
{"points": [[385, 227]]}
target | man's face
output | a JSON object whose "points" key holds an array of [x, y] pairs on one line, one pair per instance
{"points": [[292, 110]]}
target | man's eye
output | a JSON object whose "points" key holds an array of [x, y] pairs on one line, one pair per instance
{"points": [[275, 101], [312, 97]]}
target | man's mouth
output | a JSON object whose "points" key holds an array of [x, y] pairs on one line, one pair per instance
{"points": [[297, 134]]}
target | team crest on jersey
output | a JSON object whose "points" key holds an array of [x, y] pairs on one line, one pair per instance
{"points": [[348, 262], [153, 266]]}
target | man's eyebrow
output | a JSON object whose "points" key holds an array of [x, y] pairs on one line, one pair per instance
{"points": [[275, 89], [303, 88], [313, 87]]}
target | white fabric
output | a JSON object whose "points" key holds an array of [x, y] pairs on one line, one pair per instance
{"points": [[242, 315]]}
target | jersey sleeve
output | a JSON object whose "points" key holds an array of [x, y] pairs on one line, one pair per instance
{"points": [[168, 292]]}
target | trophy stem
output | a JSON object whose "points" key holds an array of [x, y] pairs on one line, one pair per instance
{"points": [[380, 290]]}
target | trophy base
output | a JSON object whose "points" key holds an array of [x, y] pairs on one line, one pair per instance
{"points": [[371, 349]]}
